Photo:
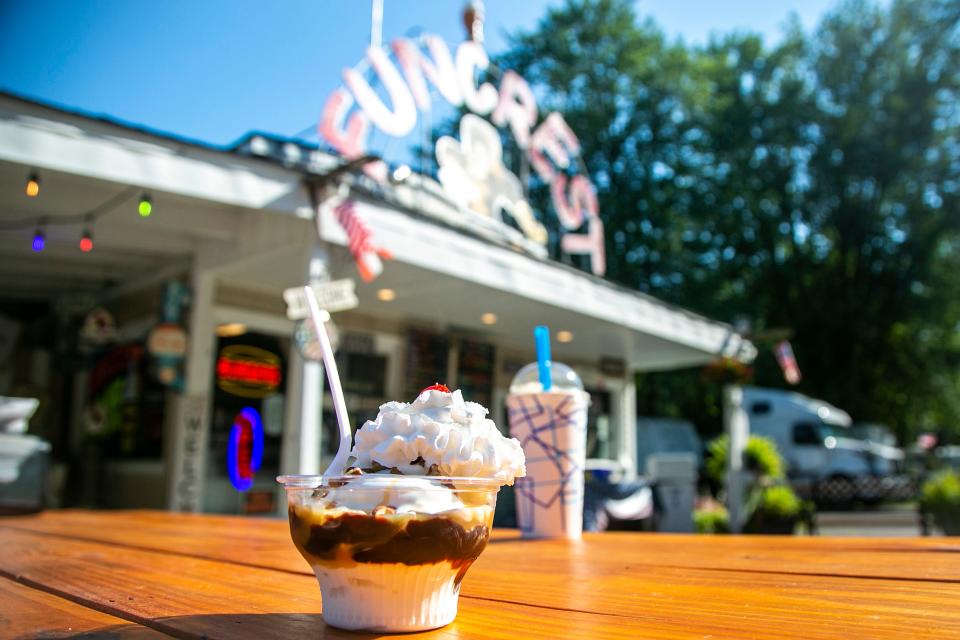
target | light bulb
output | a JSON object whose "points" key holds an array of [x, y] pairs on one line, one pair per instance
{"points": [[33, 186], [86, 241], [38, 240], [145, 208]]}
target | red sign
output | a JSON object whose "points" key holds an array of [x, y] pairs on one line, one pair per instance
{"points": [[249, 372]]}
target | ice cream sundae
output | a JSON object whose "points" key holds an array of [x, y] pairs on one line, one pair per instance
{"points": [[391, 538]]}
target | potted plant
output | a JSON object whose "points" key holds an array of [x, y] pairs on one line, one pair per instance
{"points": [[727, 371], [711, 516], [940, 497], [760, 458], [772, 506], [774, 509]]}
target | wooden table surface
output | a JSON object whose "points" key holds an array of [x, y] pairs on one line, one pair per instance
{"points": [[148, 574]]}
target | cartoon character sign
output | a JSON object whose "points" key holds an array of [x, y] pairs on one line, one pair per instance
{"points": [[473, 174]]}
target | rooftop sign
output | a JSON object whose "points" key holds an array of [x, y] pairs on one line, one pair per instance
{"points": [[472, 171]]}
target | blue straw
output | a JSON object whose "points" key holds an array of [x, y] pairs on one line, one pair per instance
{"points": [[541, 335]]}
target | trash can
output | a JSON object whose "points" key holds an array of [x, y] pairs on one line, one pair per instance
{"points": [[675, 480]]}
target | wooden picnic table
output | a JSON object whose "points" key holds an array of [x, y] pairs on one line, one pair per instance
{"points": [[149, 574]]}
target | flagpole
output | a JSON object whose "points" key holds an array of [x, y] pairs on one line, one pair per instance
{"points": [[376, 24]]}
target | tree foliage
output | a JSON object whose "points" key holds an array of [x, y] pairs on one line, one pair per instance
{"points": [[809, 186]]}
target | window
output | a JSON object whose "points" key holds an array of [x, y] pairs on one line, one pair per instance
{"points": [[760, 408], [806, 433]]}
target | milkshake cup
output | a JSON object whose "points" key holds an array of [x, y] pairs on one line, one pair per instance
{"points": [[552, 429]]}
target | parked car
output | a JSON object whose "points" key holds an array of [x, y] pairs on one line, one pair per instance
{"points": [[825, 460], [874, 432]]}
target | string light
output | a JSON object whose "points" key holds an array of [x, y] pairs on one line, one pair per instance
{"points": [[86, 240], [33, 186], [145, 207], [86, 218], [39, 240]]}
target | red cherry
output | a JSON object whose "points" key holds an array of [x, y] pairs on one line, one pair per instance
{"points": [[437, 387]]}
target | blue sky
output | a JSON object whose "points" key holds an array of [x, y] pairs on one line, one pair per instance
{"points": [[214, 69]]}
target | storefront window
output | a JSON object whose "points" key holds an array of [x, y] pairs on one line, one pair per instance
{"points": [[475, 371], [600, 434], [426, 360], [249, 380], [125, 404], [363, 373]]}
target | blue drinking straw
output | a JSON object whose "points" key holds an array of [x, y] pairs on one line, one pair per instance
{"points": [[541, 336]]}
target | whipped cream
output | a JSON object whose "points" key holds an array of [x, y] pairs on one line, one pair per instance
{"points": [[403, 493], [443, 430]]}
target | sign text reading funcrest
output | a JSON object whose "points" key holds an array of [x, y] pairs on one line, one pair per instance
{"points": [[551, 146]]}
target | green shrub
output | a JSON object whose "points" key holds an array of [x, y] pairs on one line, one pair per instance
{"points": [[712, 519], [779, 501], [760, 456], [941, 492]]}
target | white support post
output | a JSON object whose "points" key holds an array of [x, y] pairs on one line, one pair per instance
{"points": [[311, 417], [627, 436], [737, 427], [312, 385], [290, 445], [191, 426]]}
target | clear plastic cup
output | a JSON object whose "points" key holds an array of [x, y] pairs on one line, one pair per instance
{"points": [[390, 551], [563, 379], [552, 429]]}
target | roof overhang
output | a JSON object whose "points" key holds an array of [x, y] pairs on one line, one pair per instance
{"points": [[446, 266], [459, 277]]}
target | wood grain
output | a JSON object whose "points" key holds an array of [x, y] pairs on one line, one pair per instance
{"points": [[28, 613], [192, 597], [266, 543], [609, 585]]}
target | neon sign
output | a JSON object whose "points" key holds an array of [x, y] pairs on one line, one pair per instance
{"points": [[471, 169], [245, 448], [248, 372]]}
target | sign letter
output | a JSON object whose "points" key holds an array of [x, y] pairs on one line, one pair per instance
{"points": [[554, 138], [352, 140], [582, 200], [481, 100], [517, 106], [591, 243], [397, 122], [441, 72]]}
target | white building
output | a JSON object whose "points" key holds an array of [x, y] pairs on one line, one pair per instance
{"points": [[456, 303]]}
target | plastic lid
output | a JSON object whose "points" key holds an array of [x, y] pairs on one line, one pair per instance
{"points": [[563, 378]]}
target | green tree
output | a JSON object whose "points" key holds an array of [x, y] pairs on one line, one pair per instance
{"points": [[810, 186]]}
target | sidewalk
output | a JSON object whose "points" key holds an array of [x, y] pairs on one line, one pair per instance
{"points": [[895, 521]]}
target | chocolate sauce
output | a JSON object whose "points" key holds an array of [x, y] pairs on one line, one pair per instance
{"points": [[384, 540]]}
